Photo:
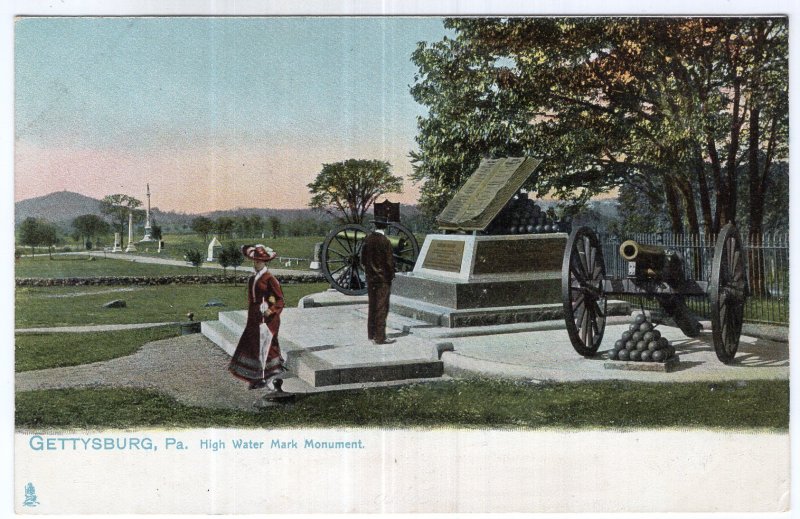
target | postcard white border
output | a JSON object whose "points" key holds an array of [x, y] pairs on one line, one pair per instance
{"points": [[253, 7]]}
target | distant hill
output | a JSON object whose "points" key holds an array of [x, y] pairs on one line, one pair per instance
{"points": [[60, 207]]}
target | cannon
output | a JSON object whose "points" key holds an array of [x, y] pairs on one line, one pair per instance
{"points": [[340, 256], [653, 272]]}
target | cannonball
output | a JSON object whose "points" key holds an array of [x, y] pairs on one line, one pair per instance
{"points": [[630, 345], [658, 356], [612, 354], [654, 345], [646, 356], [529, 229], [633, 327], [640, 318], [513, 229], [645, 327], [647, 336], [623, 355], [637, 336], [664, 342], [548, 228], [626, 336], [636, 355], [539, 228], [641, 345], [656, 334], [619, 345]]}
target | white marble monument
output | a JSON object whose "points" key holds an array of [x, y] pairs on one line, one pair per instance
{"points": [[213, 249], [147, 226], [131, 246], [117, 242]]}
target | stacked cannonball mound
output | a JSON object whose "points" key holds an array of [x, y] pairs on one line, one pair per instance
{"points": [[642, 343], [522, 216]]}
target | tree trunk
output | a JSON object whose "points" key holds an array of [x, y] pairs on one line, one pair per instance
{"points": [[755, 176], [686, 189], [705, 196], [719, 184], [730, 210], [673, 207]]}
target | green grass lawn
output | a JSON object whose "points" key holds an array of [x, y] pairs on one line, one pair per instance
{"points": [[74, 306], [456, 403], [55, 350], [80, 267]]}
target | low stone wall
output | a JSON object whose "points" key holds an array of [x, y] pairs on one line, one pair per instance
{"points": [[157, 280]]}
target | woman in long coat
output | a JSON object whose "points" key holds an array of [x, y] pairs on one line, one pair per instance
{"points": [[254, 360]]}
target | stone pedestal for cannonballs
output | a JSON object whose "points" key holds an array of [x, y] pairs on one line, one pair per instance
{"points": [[475, 280]]}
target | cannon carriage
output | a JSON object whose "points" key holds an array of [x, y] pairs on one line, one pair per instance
{"points": [[340, 256], [653, 272]]}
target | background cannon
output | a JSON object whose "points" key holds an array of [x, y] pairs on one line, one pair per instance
{"points": [[340, 256], [658, 273]]}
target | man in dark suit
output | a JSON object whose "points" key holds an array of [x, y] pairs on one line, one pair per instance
{"points": [[378, 263]]}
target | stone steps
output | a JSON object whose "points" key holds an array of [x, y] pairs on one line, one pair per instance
{"points": [[325, 348]]}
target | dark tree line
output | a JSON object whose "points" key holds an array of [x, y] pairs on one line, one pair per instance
{"points": [[679, 112]]}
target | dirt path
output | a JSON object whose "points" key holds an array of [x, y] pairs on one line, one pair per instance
{"points": [[190, 369]]}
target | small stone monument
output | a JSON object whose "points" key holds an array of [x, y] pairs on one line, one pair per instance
{"points": [[214, 249], [316, 263], [117, 242], [131, 246]]}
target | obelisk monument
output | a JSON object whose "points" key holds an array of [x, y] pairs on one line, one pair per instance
{"points": [[147, 227]]}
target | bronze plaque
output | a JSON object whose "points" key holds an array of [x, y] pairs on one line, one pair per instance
{"points": [[444, 255], [486, 192], [517, 256]]}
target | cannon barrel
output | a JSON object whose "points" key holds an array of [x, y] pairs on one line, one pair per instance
{"points": [[633, 251], [351, 235]]}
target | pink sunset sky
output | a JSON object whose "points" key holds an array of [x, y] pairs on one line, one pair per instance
{"points": [[213, 113]]}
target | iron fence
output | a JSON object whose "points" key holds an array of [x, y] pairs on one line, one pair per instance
{"points": [[766, 261]]}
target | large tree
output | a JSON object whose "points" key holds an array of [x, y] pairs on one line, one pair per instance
{"points": [[90, 226], [202, 226], [118, 207], [663, 104], [349, 188], [35, 232]]}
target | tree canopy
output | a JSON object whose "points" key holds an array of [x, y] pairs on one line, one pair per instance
{"points": [[90, 226], [35, 232], [669, 106], [117, 208], [349, 188]]}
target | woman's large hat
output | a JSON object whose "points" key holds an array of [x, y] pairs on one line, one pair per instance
{"points": [[259, 253]]}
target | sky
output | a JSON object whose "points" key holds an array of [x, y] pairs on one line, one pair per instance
{"points": [[213, 112]]}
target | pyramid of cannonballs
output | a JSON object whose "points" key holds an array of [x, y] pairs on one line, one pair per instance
{"points": [[522, 216], [642, 343]]}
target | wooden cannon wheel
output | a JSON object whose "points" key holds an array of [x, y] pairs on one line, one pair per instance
{"points": [[341, 255], [582, 274], [728, 293]]}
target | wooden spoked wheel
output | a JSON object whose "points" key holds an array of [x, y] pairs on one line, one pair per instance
{"points": [[582, 273], [727, 293], [341, 259]]}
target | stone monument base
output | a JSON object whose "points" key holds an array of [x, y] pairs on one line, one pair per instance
{"points": [[447, 317], [460, 295]]}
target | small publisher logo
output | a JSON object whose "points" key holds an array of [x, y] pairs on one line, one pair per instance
{"points": [[30, 496]]}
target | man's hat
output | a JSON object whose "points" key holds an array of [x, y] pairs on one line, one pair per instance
{"points": [[259, 253]]}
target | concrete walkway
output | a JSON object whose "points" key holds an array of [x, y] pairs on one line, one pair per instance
{"points": [[94, 328]]}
